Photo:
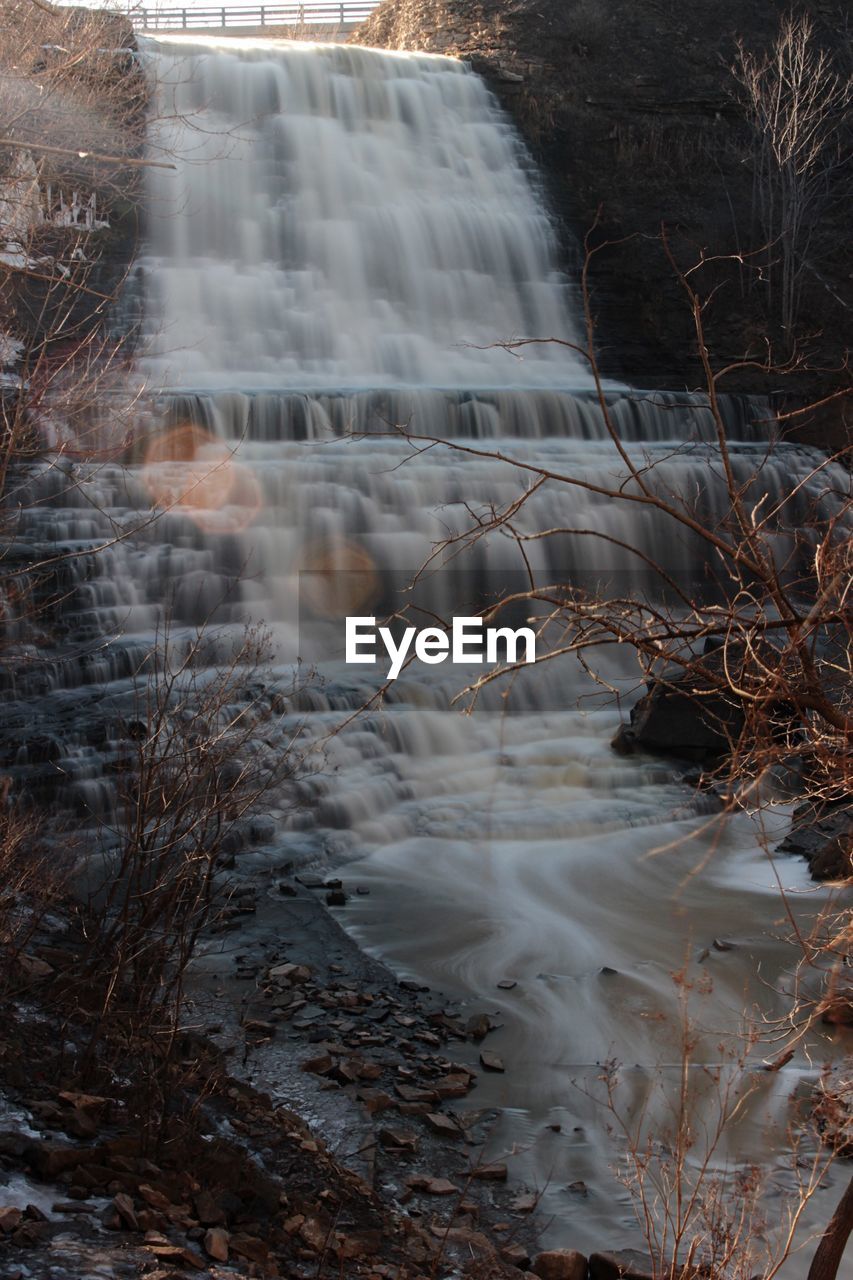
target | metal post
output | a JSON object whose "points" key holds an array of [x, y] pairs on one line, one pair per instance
{"points": [[184, 12], [263, 16], [223, 17]]}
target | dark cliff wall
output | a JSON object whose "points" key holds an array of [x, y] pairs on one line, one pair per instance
{"points": [[631, 105]]}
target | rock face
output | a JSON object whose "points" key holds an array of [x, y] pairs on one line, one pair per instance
{"points": [[631, 105], [825, 838], [675, 719]]}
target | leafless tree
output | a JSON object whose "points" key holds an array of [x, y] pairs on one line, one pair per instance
{"points": [[798, 105]]}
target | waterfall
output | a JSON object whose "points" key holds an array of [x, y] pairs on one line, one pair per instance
{"points": [[344, 247]]}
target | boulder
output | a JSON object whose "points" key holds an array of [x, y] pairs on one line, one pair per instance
{"points": [[676, 719], [216, 1244], [823, 835], [625, 1264], [560, 1264]]}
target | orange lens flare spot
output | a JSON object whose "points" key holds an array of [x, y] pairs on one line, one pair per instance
{"points": [[190, 471], [337, 579]]}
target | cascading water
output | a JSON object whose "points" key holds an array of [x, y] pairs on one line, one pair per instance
{"points": [[346, 236]]}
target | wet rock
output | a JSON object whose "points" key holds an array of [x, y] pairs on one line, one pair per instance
{"points": [[410, 1094], [491, 1061], [309, 881], [336, 898], [454, 1085], [478, 1026], [525, 1203], [489, 1172], [626, 1264], [560, 1264], [374, 1100], [683, 715], [824, 837], [50, 1159], [516, 1255], [10, 1219], [398, 1140], [433, 1186], [295, 974], [123, 1206], [507, 984], [443, 1125], [177, 1255], [252, 1248]]}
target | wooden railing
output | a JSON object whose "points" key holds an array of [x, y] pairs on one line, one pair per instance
{"points": [[326, 13]]}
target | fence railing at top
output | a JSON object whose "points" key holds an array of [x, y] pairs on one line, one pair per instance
{"points": [[326, 13]]}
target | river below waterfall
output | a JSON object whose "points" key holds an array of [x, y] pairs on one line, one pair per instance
{"points": [[345, 236]]}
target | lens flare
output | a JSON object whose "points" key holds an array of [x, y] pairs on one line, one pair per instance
{"points": [[188, 470], [337, 579]]}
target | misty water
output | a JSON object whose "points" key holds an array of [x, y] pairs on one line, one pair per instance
{"points": [[346, 236]]}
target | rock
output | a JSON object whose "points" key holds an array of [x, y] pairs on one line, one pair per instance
{"points": [[123, 1206], [398, 1139], [626, 1264], [10, 1219], [443, 1125], [216, 1244], [49, 1159], [322, 1066], [295, 974], [823, 835], [433, 1186], [310, 881], [516, 1255], [525, 1203], [83, 1101], [336, 898], [207, 1210], [489, 1172], [560, 1264], [374, 1100], [410, 1094], [174, 1253], [478, 1026], [491, 1061], [682, 715], [453, 1085], [362, 1244], [34, 969], [507, 984], [250, 1247]]}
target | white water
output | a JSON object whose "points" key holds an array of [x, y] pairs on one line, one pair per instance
{"points": [[348, 218], [342, 225]]}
